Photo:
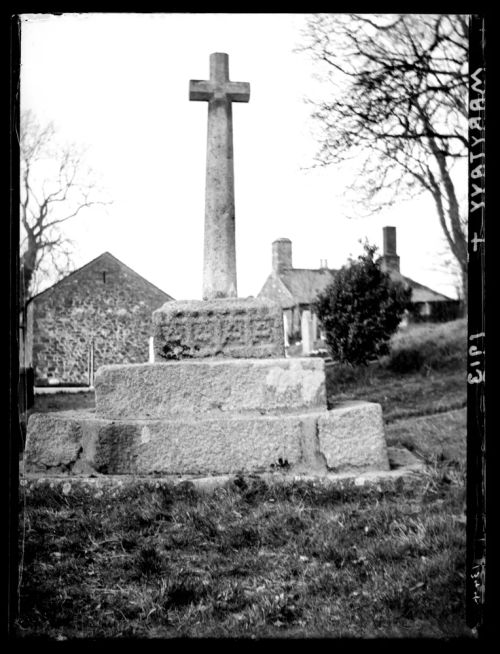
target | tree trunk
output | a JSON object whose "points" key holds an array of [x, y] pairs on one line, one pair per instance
{"points": [[28, 264]]}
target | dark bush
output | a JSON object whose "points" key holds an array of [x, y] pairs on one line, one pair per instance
{"points": [[361, 309]]}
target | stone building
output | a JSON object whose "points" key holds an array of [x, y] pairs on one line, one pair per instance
{"points": [[99, 314], [426, 305], [295, 289]]}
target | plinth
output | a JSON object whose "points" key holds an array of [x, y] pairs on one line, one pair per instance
{"points": [[210, 417]]}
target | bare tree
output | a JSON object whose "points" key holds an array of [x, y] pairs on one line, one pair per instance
{"points": [[55, 187], [400, 105]]}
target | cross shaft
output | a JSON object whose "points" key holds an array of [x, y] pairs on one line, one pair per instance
{"points": [[219, 262]]}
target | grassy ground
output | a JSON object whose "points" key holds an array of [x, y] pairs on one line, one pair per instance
{"points": [[403, 395], [440, 437], [425, 373], [64, 401], [257, 560], [250, 560]]}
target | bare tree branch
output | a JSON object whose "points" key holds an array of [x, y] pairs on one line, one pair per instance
{"points": [[63, 189], [399, 104]]}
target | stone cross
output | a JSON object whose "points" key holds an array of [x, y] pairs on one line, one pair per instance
{"points": [[219, 260]]}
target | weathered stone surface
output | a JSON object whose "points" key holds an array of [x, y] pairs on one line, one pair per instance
{"points": [[219, 266], [347, 438], [351, 437], [212, 387], [239, 328], [163, 446], [57, 440], [226, 445]]}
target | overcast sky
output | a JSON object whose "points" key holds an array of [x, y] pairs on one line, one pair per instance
{"points": [[118, 83]]}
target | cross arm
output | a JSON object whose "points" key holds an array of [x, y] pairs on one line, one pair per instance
{"points": [[200, 90], [238, 91], [205, 90]]}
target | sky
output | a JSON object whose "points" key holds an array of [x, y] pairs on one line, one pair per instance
{"points": [[118, 84]]}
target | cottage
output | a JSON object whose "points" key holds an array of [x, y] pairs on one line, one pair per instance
{"points": [[296, 289], [426, 305], [97, 315]]}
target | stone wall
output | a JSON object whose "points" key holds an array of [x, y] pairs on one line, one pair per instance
{"points": [[100, 314], [276, 291]]}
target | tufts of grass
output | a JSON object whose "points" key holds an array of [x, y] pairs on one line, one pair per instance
{"points": [[300, 559], [434, 346], [424, 373], [401, 396], [304, 560], [442, 436], [405, 360]]}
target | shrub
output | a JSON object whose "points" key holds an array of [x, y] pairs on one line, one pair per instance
{"points": [[361, 309]]}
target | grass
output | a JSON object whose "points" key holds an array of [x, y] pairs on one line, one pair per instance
{"points": [[296, 560], [64, 401], [441, 345], [431, 383], [436, 437]]}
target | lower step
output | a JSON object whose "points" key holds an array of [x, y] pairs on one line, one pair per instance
{"points": [[349, 437]]}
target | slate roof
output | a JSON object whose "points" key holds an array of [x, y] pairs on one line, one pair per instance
{"points": [[304, 283], [295, 286], [420, 293]]}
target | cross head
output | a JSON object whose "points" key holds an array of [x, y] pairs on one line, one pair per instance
{"points": [[218, 87]]}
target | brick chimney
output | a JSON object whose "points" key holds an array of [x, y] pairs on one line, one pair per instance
{"points": [[282, 254], [390, 259]]}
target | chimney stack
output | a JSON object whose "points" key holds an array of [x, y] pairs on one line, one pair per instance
{"points": [[282, 255], [390, 259], [323, 263]]}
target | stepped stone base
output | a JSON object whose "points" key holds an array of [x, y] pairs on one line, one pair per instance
{"points": [[214, 388], [347, 438], [211, 416]]}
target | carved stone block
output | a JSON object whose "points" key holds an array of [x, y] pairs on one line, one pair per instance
{"points": [[230, 327]]}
